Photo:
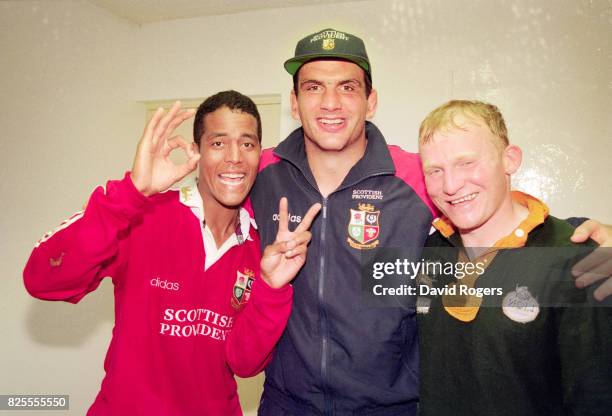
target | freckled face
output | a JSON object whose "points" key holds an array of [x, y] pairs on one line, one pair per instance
{"points": [[465, 175]]}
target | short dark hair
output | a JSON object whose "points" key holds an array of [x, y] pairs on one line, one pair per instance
{"points": [[366, 77], [230, 99]]}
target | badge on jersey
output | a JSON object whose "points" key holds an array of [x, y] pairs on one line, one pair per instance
{"points": [[363, 228], [520, 305], [242, 288]]}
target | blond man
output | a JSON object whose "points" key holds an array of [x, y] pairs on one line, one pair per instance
{"points": [[513, 336]]}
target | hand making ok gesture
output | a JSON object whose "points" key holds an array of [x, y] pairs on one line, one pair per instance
{"points": [[282, 260], [153, 171]]}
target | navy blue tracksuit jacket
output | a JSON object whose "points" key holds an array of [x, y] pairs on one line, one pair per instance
{"points": [[339, 356]]}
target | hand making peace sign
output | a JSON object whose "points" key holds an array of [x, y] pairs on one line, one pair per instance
{"points": [[282, 260]]}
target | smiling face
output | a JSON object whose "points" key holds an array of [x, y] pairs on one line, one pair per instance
{"points": [[332, 106], [229, 150], [468, 175]]}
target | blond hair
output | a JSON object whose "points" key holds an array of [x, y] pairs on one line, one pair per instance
{"points": [[444, 118]]}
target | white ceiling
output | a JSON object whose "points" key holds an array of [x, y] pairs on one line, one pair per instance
{"points": [[146, 11]]}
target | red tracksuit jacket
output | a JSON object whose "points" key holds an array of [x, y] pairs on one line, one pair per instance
{"points": [[181, 332]]}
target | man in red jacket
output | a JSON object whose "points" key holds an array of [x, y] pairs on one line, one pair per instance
{"points": [[193, 307]]}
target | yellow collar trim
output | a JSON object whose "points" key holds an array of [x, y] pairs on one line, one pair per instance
{"points": [[538, 211]]}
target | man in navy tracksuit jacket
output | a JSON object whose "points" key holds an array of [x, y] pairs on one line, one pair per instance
{"points": [[338, 355]]}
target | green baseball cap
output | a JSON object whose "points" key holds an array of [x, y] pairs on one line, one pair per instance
{"points": [[329, 43]]}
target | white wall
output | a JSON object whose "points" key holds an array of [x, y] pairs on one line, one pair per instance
{"points": [[67, 124], [72, 77]]}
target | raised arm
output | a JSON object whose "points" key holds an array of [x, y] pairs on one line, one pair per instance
{"points": [[71, 261]]}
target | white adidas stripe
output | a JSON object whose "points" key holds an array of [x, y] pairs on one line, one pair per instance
{"points": [[65, 224]]}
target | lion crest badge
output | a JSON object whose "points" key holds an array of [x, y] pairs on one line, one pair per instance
{"points": [[363, 228], [242, 288]]}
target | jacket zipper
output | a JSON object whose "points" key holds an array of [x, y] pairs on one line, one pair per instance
{"points": [[327, 403], [328, 407], [322, 314]]}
